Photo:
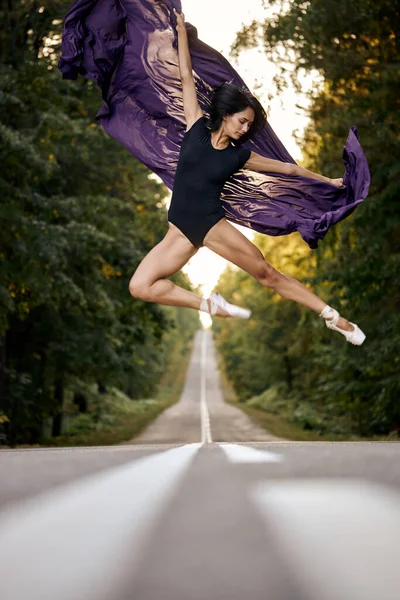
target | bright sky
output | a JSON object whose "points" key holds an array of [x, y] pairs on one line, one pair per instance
{"points": [[217, 22]]}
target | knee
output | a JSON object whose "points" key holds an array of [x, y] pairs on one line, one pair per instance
{"points": [[140, 289], [267, 275]]}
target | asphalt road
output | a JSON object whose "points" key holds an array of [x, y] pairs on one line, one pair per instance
{"points": [[201, 414], [200, 508]]}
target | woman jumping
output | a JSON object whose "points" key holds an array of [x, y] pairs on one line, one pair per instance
{"points": [[210, 154]]}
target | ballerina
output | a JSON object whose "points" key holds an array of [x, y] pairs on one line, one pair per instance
{"points": [[211, 152]]}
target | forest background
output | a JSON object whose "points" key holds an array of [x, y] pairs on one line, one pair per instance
{"points": [[286, 362], [78, 213]]}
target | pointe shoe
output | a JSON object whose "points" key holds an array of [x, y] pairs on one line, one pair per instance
{"points": [[216, 300], [331, 316]]}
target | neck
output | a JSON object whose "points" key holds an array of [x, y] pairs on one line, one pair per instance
{"points": [[219, 138]]}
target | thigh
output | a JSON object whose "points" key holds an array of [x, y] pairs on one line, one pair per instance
{"points": [[227, 241], [165, 259]]}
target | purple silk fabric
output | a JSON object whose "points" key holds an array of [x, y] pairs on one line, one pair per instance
{"points": [[129, 47]]}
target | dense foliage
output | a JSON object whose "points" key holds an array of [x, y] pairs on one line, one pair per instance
{"points": [[77, 214], [356, 47]]}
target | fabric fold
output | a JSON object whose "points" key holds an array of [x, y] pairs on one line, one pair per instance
{"points": [[129, 47]]}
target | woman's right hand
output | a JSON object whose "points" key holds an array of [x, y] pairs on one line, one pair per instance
{"points": [[338, 182], [180, 20]]}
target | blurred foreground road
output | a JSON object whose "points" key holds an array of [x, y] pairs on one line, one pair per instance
{"points": [[201, 508]]}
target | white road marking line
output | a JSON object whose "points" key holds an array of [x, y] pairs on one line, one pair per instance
{"points": [[244, 454], [341, 537], [206, 437], [79, 540]]}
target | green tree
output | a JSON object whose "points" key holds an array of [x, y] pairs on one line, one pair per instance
{"points": [[355, 47], [77, 215]]}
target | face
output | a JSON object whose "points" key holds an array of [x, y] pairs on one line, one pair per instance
{"points": [[239, 123]]}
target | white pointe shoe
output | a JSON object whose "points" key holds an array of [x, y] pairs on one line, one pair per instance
{"points": [[216, 300], [331, 316]]}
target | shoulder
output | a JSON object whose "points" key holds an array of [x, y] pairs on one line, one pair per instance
{"points": [[243, 154], [200, 120]]}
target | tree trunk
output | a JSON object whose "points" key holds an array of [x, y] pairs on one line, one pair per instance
{"points": [[81, 402], [102, 388], [59, 401]]}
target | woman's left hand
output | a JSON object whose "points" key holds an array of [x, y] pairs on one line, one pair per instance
{"points": [[180, 20], [338, 182]]}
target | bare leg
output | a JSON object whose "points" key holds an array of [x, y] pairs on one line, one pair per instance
{"points": [[169, 256], [231, 244]]}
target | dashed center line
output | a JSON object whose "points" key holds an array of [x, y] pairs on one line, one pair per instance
{"points": [[237, 453], [206, 437], [91, 532], [340, 537]]}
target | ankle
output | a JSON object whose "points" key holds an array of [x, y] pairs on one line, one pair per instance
{"points": [[208, 306], [327, 312], [205, 305]]}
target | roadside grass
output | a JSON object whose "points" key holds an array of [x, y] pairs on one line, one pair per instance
{"points": [[122, 418], [278, 420]]}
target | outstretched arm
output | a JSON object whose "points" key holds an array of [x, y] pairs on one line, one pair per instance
{"points": [[191, 105], [268, 165]]}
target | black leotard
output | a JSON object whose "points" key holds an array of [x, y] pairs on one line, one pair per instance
{"points": [[200, 176]]}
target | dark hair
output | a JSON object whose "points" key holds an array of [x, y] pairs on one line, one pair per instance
{"points": [[229, 99]]}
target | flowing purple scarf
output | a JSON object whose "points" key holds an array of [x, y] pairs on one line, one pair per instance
{"points": [[129, 47]]}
